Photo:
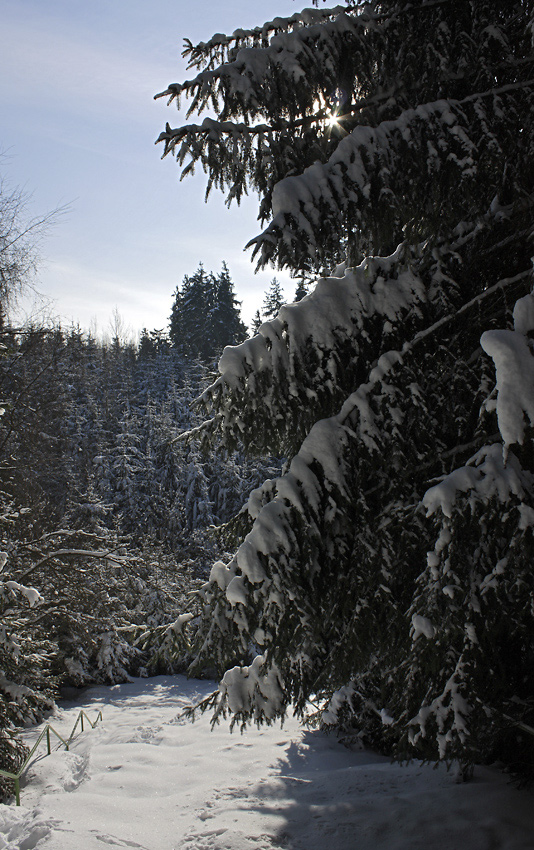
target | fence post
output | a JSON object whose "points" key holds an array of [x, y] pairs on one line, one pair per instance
{"points": [[47, 730]]}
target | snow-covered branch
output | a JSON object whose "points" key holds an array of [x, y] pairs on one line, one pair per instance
{"points": [[375, 169], [289, 53], [218, 49], [99, 554]]}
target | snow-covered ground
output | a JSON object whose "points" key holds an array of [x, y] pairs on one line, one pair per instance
{"points": [[147, 779]]}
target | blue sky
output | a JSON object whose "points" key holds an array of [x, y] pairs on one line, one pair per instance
{"points": [[77, 79]]}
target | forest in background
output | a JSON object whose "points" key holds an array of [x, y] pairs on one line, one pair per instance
{"points": [[107, 515]]}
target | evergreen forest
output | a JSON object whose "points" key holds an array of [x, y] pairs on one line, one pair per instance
{"points": [[337, 519], [107, 515]]}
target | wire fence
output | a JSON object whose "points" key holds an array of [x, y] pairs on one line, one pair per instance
{"points": [[47, 731]]}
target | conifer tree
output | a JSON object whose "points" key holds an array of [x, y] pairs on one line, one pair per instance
{"points": [[388, 571], [192, 305], [205, 315], [144, 348], [225, 322], [273, 300], [257, 322]]}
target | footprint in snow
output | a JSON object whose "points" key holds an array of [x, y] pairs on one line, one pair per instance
{"points": [[223, 839], [24, 830], [77, 772], [146, 735], [116, 842]]}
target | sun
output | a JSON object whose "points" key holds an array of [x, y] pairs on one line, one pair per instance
{"points": [[327, 114]]}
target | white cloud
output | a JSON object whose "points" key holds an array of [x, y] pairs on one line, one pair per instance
{"points": [[77, 81]]}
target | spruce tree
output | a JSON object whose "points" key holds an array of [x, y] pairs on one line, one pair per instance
{"points": [[273, 300], [226, 327], [205, 315], [387, 573], [147, 345], [256, 322], [192, 304]]}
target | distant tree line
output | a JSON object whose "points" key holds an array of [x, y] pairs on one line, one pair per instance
{"points": [[106, 514]]}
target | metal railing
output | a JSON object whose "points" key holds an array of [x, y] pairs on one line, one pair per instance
{"points": [[46, 733]]}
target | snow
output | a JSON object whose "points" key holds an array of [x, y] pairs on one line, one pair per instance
{"points": [[306, 17], [512, 354], [422, 626], [236, 591], [288, 51], [300, 202], [149, 779], [240, 684], [514, 365], [336, 306], [32, 595], [179, 623], [485, 477]]}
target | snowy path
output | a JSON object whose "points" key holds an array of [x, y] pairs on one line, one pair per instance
{"points": [[147, 780]]}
